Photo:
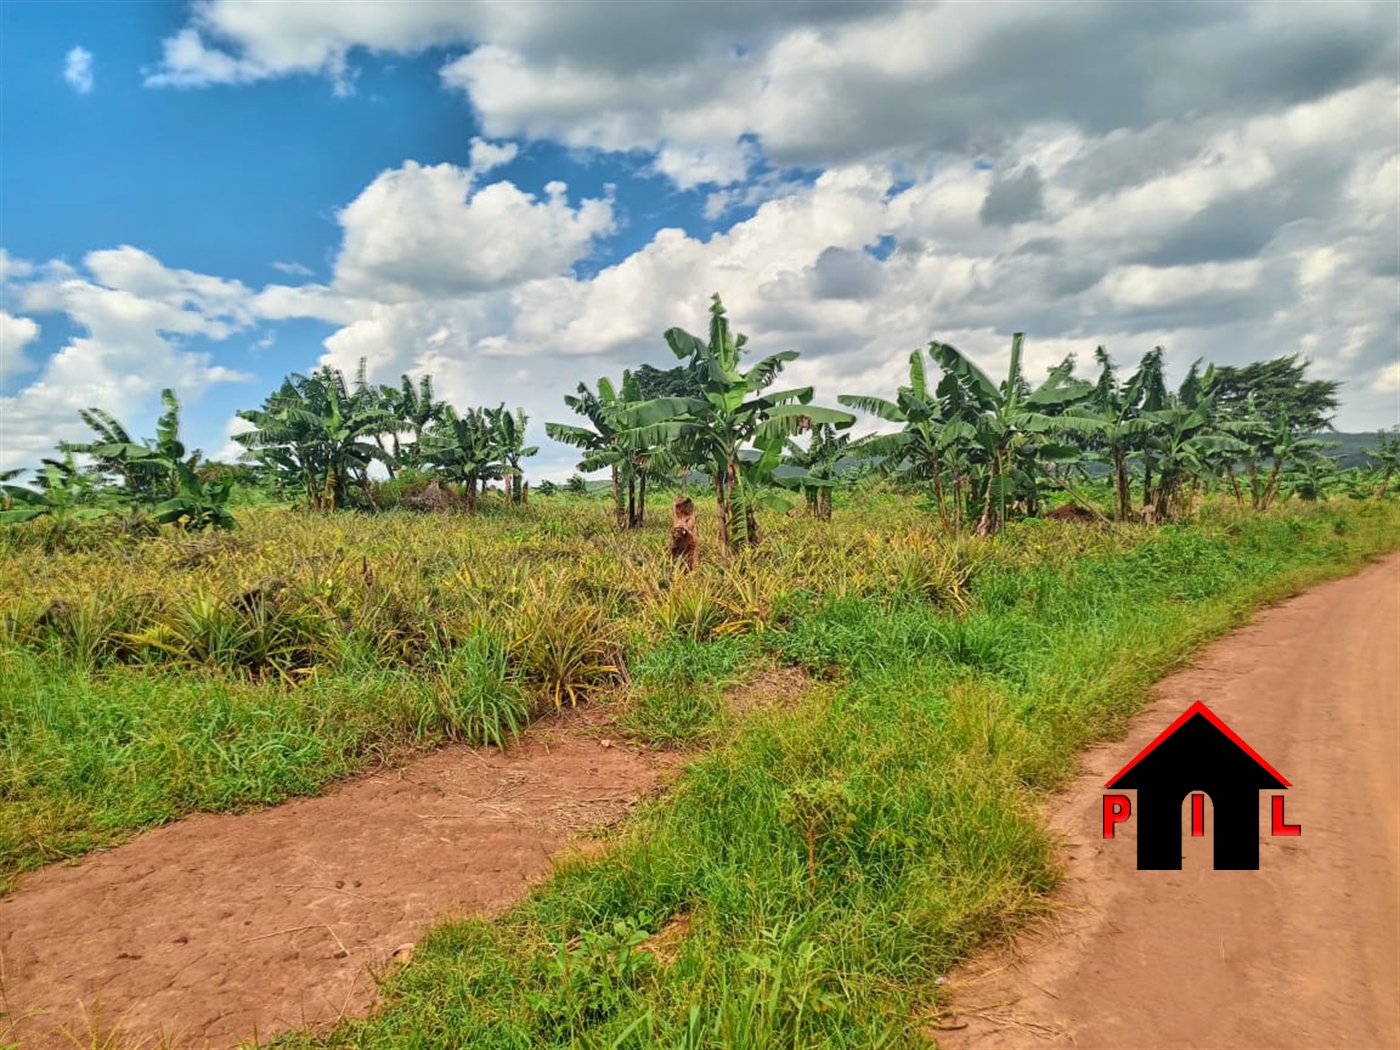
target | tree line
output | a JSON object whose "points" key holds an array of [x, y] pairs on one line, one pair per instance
{"points": [[982, 451]]}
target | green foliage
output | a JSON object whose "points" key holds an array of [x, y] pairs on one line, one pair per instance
{"points": [[478, 692], [316, 430], [1276, 392], [592, 981], [823, 862], [462, 448], [633, 458], [736, 431]]}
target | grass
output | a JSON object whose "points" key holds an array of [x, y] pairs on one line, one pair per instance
{"points": [[828, 859]]}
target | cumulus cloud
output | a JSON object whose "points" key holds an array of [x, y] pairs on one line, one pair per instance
{"points": [[1223, 180], [709, 88], [12, 269], [77, 70], [15, 334], [135, 315], [423, 232]]}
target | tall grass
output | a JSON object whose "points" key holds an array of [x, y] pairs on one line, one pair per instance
{"points": [[832, 860], [829, 857]]}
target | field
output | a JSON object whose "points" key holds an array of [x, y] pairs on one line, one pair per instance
{"points": [[827, 857]]}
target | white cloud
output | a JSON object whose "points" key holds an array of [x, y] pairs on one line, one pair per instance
{"points": [[135, 314], [419, 232], [15, 334], [1387, 380], [12, 269], [1223, 180], [708, 88], [77, 70], [486, 156], [293, 269]]}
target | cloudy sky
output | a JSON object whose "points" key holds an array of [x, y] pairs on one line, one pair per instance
{"points": [[515, 196]]}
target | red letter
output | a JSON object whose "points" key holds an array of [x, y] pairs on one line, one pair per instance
{"points": [[1198, 816], [1280, 828], [1116, 809]]}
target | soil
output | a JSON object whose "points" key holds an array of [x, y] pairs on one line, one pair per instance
{"points": [[1304, 952], [222, 928]]}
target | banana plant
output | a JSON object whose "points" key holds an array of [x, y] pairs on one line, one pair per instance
{"points": [[64, 497], [926, 448], [508, 431], [462, 448], [149, 468], [1004, 425], [1124, 411], [316, 429], [600, 442], [738, 430], [199, 504], [1385, 457], [1266, 448], [814, 468], [415, 409]]}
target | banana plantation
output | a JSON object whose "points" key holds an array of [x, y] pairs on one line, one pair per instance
{"points": [[979, 451]]}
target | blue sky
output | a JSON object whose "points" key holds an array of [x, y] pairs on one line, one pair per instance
{"points": [[214, 195]]}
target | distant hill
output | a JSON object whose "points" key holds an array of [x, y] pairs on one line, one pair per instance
{"points": [[1350, 448]]}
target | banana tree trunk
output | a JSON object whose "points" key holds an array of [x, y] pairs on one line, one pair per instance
{"points": [[985, 525], [1124, 509], [722, 506], [1271, 488], [938, 488]]}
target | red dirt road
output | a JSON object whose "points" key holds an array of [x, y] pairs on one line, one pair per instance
{"points": [[217, 928], [1304, 952]]}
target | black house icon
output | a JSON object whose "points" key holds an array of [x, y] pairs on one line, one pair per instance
{"points": [[1198, 752]]}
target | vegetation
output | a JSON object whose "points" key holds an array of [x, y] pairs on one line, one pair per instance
{"points": [[949, 651]]}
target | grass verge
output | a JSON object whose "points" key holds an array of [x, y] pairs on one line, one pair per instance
{"points": [[831, 860]]}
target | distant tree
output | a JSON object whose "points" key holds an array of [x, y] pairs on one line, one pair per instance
{"points": [[318, 430], [1275, 391], [508, 431], [415, 409], [818, 465], [462, 448], [1386, 457]]}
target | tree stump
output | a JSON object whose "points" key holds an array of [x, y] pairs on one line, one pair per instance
{"points": [[685, 542]]}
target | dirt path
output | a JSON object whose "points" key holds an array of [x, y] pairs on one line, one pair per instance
{"points": [[1304, 952], [219, 927]]}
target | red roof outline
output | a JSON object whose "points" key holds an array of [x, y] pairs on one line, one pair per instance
{"points": [[1213, 719]]}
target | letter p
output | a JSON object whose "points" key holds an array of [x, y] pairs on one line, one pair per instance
{"points": [[1116, 809]]}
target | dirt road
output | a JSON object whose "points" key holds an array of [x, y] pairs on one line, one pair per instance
{"points": [[1304, 952], [219, 928]]}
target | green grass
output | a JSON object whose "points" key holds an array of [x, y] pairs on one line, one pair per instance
{"points": [[831, 859], [679, 689], [85, 759], [834, 860]]}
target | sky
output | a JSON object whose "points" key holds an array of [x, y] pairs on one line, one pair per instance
{"points": [[517, 196]]}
